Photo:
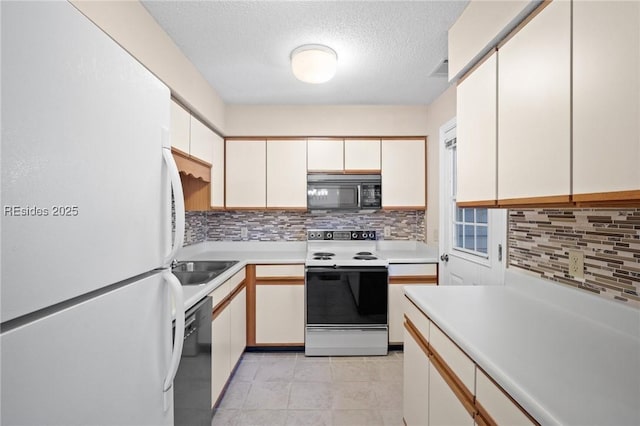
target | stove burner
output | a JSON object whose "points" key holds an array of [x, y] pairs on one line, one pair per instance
{"points": [[364, 253], [323, 254], [365, 257], [322, 258]]}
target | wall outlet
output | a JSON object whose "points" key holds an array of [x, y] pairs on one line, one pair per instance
{"points": [[244, 232], [576, 264], [387, 231]]}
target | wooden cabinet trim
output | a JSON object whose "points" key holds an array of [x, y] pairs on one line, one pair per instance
{"points": [[607, 196], [414, 279], [485, 414], [191, 165], [251, 304], [477, 65], [555, 200], [463, 394], [280, 281], [221, 306], [481, 203], [403, 208], [417, 336]]}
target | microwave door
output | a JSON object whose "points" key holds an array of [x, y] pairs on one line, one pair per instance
{"points": [[332, 197]]}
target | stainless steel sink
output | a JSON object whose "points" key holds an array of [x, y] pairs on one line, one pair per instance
{"points": [[200, 271]]}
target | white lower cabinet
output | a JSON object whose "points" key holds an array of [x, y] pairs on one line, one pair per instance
{"points": [[446, 387], [444, 406], [415, 401], [279, 304], [497, 404], [220, 353], [228, 331], [401, 275], [238, 326], [280, 314]]}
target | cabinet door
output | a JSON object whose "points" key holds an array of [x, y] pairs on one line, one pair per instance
{"points": [[404, 173], [180, 127], [325, 155], [220, 353], [401, 275], [444, 406], [362, 154], [415, 400], [217, 173], [202, 140], [534, 109], [246, 170], [497, 404], [606, 110], [279, 314], [287, 173], [238, 342], [476, 121]]}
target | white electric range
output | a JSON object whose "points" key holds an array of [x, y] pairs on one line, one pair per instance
{"points": [[346, 290]]}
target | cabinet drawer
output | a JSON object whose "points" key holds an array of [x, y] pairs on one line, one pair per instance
{"points": [[397, 270], [419, 319], [459, 363], [221, 293], [499, 407], [236, 279], [280, 271]]}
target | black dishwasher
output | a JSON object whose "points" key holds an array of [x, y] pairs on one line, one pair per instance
{"points": [[192, 384]]}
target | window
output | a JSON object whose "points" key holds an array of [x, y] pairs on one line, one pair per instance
{"points": [[470, 225]]}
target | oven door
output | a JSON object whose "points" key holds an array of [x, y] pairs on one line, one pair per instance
{"points": [[346, 296]]}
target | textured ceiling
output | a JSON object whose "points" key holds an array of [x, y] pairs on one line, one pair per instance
{"points": [[386, 49]]}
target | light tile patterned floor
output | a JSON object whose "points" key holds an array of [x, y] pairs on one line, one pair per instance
{"points": [[291, 389]]}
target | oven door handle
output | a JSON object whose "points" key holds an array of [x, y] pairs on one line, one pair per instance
{"points": [[321, 269]]}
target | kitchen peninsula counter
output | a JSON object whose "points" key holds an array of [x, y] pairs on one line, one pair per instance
{"points": [[564, 356], [282, 252]]}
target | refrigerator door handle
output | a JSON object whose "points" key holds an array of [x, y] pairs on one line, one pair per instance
{"points": [[178, 339], [178, 197]]}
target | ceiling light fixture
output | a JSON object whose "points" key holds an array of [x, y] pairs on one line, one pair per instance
{"points": [[314, 63]]}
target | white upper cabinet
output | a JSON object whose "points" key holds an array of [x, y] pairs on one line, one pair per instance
{"points": [[534, 88], [246, 172], [202, 140], [476, 134], [606, 99], [404, 173], [325, 155], [480, 26], [180, 127], [217, 173], [362, 155], [287, 173]]}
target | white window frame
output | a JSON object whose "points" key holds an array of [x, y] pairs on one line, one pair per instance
{"points": [[474, 254]]}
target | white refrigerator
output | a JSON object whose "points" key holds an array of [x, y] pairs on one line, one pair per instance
{"points": [[86, 293]]}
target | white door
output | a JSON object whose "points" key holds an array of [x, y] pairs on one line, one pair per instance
{"points": [[473, 240]]}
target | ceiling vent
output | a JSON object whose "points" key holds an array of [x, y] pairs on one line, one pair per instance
{"points": [[442, 70]]}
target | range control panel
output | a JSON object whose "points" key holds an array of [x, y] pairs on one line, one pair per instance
{"points": [[342, 235]]}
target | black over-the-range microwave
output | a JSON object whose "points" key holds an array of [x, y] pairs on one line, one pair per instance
{"points": [[344, 192]]}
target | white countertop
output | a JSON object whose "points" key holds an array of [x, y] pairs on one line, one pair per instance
{"points": [[282, 252], [562, 366]]}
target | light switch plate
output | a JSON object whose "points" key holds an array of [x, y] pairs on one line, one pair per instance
{"points": [[387, 231], [576, 264], [244, 232]]}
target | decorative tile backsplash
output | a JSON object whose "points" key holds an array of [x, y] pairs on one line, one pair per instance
{"points": [[540, 241], [292, 226]]}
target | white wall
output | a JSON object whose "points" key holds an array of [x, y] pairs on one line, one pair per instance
{"points": [[129, 24], [439, 112], [325, 120]]}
